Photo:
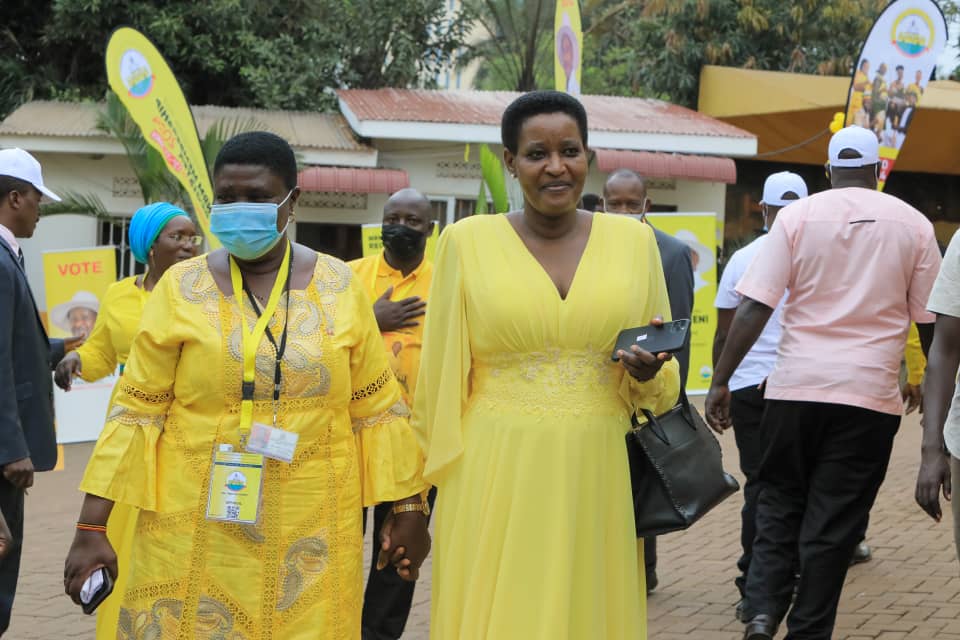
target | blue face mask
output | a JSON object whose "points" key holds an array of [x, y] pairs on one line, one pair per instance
{"points": [[248, 230]]}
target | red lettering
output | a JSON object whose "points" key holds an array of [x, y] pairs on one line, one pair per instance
{"points": [[80, 268]]}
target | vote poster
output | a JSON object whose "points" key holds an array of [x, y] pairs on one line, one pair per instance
{"points": [[698, 232], [372, 245], [75, 281]]}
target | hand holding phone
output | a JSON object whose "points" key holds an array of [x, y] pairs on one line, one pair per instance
{"points": [[665, 337], [95, 590]]}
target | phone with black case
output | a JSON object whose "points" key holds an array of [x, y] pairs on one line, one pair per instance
{"points": [[105, 590], [669, 337]]}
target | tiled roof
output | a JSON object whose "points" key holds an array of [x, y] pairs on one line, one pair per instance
{"points": [[668, 165], [350, 180], [302, 129], [605, 113]]}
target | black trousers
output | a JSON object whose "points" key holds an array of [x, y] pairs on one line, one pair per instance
{"points": [[746, 410], [11, 504], [388, 597], [819, 477]]}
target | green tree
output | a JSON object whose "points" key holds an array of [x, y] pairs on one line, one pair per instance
{"points": [[516, 45], [288, 55]]}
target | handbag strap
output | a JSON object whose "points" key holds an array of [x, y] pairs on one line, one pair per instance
{"points": [[654, 425]]}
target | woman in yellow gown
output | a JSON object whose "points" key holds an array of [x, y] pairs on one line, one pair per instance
{"points": [[296, 572], [520, 409], [160, 235]]}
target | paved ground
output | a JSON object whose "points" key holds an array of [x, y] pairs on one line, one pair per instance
{"points": [[911, 590]]}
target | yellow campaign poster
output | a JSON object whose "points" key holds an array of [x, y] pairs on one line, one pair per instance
{"points": [[697, 231], [75, 281], [143, 81], [568, 47], [372, 245]]}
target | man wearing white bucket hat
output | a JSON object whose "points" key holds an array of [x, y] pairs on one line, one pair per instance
{"points": [[78, 314], [859, 265], [27, 441]]}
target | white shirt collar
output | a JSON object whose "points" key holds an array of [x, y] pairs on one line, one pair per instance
{"points": [[7, 236]]}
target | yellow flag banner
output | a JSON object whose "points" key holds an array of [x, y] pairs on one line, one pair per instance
{"points": [[143, 81], [372, 244], [698, 232], [75, 281], [892, 71], [568, 47]]}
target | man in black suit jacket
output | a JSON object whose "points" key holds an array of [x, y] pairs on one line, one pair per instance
{"points": [[27, 440], [626, 192]]}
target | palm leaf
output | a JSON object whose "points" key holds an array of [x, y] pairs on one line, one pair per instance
{"points": [[78, 203], [492, 171]]}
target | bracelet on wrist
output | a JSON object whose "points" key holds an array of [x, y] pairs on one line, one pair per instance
{"points": [[86, 526]]}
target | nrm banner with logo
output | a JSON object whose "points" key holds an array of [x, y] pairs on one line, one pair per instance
{"points": [[568, 47], [143, 81], [894, 66]]}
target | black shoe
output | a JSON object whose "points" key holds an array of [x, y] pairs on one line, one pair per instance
{"points": [[652, 581], [761, 627], [861, 554]]}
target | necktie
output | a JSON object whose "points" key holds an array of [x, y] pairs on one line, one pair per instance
{"points": [[20, 259]]}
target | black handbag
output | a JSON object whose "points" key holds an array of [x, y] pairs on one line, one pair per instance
{"points": [[676, 470]]}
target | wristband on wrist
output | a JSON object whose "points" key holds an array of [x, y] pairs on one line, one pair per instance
{"points": [[85, 526]]}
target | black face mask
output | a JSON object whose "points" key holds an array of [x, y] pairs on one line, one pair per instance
{"points": [[402, 241]]}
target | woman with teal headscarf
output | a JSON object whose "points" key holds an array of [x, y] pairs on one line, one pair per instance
{"points": [[161, 235]]}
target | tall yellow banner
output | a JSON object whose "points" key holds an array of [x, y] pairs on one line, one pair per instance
{"points": [[143, 81], [698, 232], [890, 78], [568, 47]]}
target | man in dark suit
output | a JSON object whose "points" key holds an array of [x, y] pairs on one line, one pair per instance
{"points": [[27, 440], [626, 192]]}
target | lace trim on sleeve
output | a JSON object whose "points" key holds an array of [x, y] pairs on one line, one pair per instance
{"points": [[374, 387], [398, 410], [136, 393]]}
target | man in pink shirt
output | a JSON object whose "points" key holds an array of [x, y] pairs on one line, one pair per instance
{"points": [[859, 266]]}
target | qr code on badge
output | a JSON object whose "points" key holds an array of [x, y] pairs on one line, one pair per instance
{"points": [[233, 512]]}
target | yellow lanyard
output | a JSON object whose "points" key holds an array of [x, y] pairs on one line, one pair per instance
{"points": [[250, 342], [399, 293]]}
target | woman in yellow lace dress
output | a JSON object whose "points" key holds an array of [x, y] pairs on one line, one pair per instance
{"points": [[520, 409], [294, 572], [161, 235]]}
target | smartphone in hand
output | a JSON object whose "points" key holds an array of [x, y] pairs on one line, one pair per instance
{"points": [[95, 590], [670, 337]]}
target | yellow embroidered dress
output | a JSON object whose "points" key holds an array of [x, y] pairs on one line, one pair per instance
{"points": [[297, 574], [523, 414], [109, 346]]}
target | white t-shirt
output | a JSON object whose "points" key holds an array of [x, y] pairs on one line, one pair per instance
{"points": [[758, 363], [945, 300]]}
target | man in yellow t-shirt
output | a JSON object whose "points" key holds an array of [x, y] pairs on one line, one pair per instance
{"points": [[398, 281]]}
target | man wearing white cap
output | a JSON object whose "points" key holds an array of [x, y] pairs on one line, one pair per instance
{"points": [[859, 265], [77, 315], [746, 404], [27, 441]]}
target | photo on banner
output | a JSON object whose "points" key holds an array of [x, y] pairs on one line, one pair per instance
{"points": [[372, 244], [891, 75], [698, 232], [76, 281], [568, 47]]}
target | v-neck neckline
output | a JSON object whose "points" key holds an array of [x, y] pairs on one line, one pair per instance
{"points": [[546, 275]]}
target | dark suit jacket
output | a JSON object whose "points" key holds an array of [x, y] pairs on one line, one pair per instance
{"points": [[26, 358], [678, 270]]}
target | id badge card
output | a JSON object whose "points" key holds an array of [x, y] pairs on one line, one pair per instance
{"points": [[236, 484], [272, 443]]}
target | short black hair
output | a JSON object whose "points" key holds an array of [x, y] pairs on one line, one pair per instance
{"points": [[260, 148], [899, 67], [9, 183], [589, 201], [536, 103]]}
